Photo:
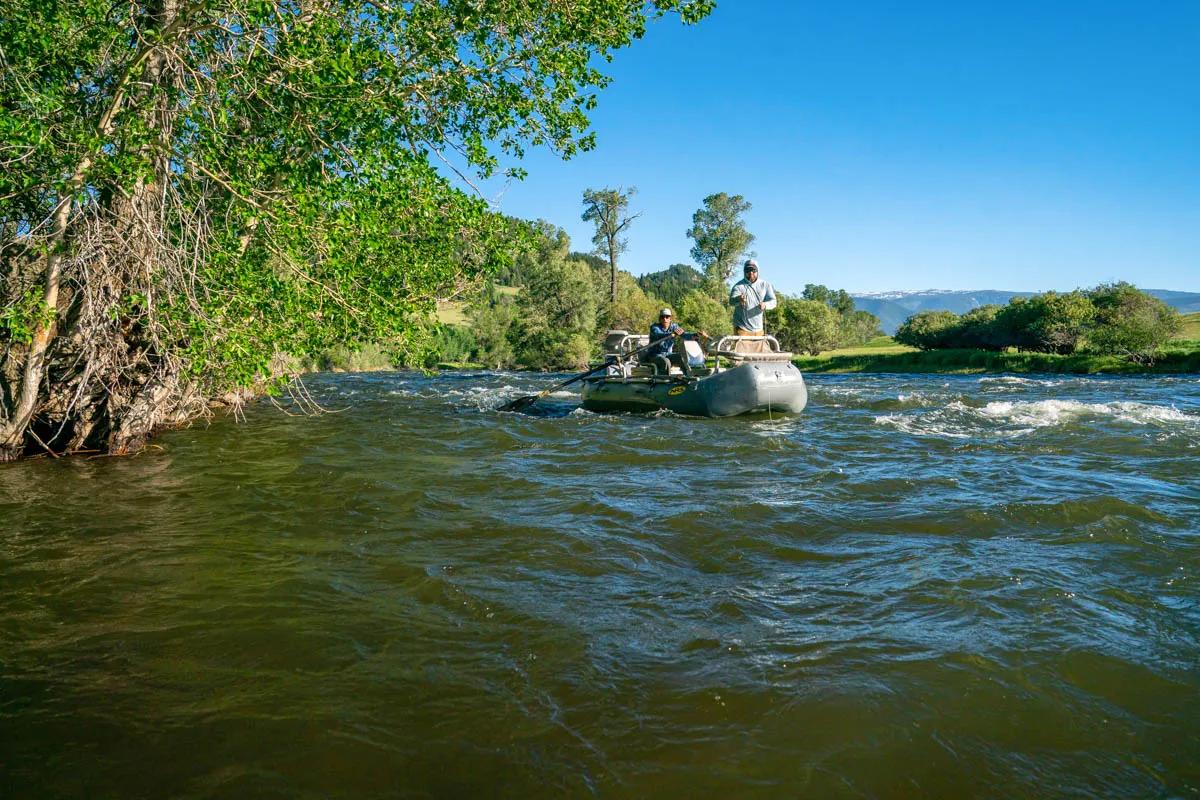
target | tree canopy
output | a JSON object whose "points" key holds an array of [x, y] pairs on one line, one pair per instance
{"points": [[194, 188], [720, 236]]}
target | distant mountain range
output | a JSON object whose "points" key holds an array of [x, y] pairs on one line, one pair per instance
{"points": [[893, 308]]}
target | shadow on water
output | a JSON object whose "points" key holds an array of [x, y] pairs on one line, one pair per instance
{"points": [[921, 586]]}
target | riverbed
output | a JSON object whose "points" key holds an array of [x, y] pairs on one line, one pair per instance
{"points": [[921, 586]]}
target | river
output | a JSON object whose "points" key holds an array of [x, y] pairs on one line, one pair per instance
{"points": [[922, 586]]}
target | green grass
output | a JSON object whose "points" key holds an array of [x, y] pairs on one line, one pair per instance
{"points": [[454, 312], [1191, 327], [1179, 356], [880, 345]]}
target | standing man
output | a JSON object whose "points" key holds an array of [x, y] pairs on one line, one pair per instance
{"points": [[750, 297]]}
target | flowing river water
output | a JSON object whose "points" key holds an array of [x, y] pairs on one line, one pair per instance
{"points": [[922, 586]]}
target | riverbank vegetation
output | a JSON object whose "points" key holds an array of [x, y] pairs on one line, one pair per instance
{"points": [[1110, 320], [884, 354], [196, 194]]}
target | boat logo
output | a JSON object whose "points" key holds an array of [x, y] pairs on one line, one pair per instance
{"points": [[677, 390]]}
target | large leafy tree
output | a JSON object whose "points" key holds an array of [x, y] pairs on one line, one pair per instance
{"points": [[193, 187], [720, 237]]}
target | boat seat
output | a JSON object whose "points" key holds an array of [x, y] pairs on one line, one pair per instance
{"points": [[734, 355]]}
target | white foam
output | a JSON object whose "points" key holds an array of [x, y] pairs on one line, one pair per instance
{"points": [[1013, 380], [1017, 418]]}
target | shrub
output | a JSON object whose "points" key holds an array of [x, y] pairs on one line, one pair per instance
{"points": [[805, 326], [928, 330], [1130, 323]]}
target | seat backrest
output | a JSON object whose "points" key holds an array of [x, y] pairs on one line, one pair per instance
{"points": [[613, 339], [694, 350]]}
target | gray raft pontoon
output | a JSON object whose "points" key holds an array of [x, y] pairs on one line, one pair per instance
{"points": [[749, 374]]}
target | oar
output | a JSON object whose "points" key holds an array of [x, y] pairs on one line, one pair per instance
{"points": [[522, 403]]}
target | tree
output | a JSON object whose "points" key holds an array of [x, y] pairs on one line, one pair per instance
{"points": [[192, 189], [492, 317], [837, 299], [720, 236], [854, 327], [858, 327], [608, 210], [928, 330], [556, 308], [977, 328], [804, 326], [1130, 322], [700, 311]]}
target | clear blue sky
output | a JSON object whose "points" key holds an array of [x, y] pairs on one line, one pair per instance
{"points": [[900, 145]]}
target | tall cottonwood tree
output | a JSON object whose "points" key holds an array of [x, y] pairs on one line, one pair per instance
{"points": [[608, 210], [192, 187], [720, 237]]}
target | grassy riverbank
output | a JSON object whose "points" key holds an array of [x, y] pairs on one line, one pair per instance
{"points": [[884, 355]]}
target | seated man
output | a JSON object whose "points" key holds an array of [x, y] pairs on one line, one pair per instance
{"points": [[670, 338]]}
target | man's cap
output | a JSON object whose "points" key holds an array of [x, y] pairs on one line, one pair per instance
{"points": [[750, 264], [666, 312]]}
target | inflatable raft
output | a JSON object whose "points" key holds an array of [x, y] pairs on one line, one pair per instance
{"points": [[748, 374]]}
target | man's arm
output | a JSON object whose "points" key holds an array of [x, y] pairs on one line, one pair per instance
{"points": [[736, 298], [769, 299]]}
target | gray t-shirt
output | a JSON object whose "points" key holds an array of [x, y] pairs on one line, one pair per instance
{"points": [[750, 316]]}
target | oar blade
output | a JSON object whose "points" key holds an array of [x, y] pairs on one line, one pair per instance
{"points": [[520, 404]]}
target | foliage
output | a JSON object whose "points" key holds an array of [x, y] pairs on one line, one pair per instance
{"points": [[453, 344], [672, 283], [700, 311], [854, 327], [557, 311], [1113, 319], [805, 326], [1130, 322], [928, 329], [355, 358], [857, 327], [608, 210], [194, 188], [837, 299], [492, 317], [720, 237], [1046, 323], [1174, 359], [979, 328]]}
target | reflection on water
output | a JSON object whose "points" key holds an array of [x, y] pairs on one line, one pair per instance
{"points": [[924, 585]]}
